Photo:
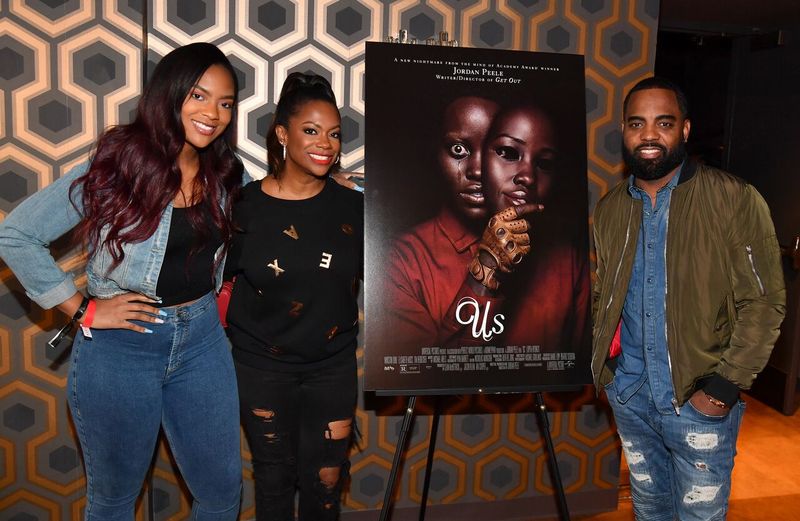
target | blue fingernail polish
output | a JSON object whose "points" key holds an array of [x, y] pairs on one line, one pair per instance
{"points": [[147, 330], [162, 312]]}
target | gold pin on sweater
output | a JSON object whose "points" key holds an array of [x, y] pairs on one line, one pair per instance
{"points": [[291, 232], [274, 265], [332, 332], [297, 308]]}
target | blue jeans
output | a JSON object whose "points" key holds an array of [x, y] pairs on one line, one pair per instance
{"points": [[680, 465], [123, 386]]}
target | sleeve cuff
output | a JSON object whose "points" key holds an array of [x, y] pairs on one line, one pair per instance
{"points": [[722, 389], [55, 296]]}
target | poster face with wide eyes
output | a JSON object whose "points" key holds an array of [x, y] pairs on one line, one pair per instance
{"points": [[477, 257]]}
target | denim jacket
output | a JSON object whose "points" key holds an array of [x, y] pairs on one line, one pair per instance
{"points": [[27, 232]]}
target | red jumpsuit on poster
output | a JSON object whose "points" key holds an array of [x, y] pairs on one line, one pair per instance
{"points": [[427, 278]]}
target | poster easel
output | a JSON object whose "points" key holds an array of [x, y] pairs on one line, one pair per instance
{"points": [[405, 429], [474, 120]]}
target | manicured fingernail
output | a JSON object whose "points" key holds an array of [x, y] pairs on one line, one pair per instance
{"points": [[148, 330], [158, 321], [162, 313]]}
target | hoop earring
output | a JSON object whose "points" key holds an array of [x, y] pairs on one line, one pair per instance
{"points": [[338, 157]]}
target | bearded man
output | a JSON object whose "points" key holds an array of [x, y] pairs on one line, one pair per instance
{"points": [[687, 304]]}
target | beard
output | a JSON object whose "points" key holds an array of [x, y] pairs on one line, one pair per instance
{"points": [[652, 169]]}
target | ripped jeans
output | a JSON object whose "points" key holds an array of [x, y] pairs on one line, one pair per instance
{"points": [[680, 465], [298, 426]]}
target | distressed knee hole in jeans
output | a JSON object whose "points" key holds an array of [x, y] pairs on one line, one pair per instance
{"points": [[267, 417], [635, 460], [264, 414], [331, 481], [633, 457], [335, 465], [329, 478], [339, 429], [702, 440], [701, 494]]}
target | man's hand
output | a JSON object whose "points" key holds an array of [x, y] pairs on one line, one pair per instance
{"points": [[700, 401], [503, 245]]}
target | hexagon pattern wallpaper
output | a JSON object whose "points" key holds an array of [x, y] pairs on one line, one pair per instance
{"points": [[70, 68]]}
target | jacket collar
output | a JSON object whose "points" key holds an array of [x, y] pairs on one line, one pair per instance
{"points": [[688, 171], [459, 236]]}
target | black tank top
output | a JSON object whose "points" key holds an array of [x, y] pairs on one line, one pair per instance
{"points": [[185, 274]]}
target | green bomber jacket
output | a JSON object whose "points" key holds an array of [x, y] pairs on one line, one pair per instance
{"points": [[725, 288]]}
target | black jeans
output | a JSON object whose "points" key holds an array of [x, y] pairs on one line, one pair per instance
{"points": [[298, 426]]}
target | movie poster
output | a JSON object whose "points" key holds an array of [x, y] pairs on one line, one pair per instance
{"points": [[477, 262]]}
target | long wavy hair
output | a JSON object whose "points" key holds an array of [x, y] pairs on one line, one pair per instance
{"points": [[134, 171], [297, 90]]}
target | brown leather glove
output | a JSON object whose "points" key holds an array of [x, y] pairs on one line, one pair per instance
{"points": [[504, 244]]}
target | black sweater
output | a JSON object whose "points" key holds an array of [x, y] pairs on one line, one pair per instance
{"points": [[297, 265]]}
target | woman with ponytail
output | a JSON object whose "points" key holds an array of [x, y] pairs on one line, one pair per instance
{"points": [[152, 208], [293, 316]]}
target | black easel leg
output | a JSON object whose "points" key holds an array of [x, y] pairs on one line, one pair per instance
{"points": [[431, 450], [554, 472], [398, 453]]}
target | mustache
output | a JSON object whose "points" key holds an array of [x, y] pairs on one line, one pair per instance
{"points": [[651, 145]]}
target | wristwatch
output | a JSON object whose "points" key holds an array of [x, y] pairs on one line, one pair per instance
{"points": [[715, 401]]}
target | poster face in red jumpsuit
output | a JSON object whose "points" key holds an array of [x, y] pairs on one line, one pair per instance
{"points": [[477, 261]]}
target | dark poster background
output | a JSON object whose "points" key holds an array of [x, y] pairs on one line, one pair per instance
{"points": [[416, 258]]}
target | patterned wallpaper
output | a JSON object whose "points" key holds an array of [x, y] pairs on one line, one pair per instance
{"points": [[69, 68]]}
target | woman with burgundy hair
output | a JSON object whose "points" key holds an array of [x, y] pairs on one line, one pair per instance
{"points": [[152, 209]]}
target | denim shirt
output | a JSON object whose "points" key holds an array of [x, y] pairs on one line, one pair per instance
{"points": [[27, 232], [645, 357]]}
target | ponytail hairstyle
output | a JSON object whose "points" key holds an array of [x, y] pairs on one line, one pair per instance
{"points": [[134, 173], [298, 89]]}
